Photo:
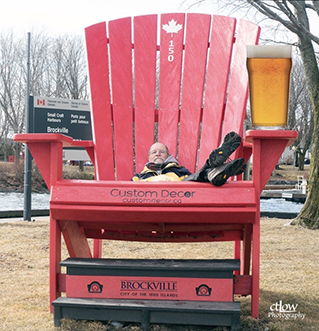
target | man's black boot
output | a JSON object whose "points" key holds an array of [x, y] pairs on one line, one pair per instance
{"points": [[217, 157], [219, 175], [220, 155]]}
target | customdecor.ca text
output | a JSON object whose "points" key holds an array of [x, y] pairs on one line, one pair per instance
{"points": [[145, 196]]}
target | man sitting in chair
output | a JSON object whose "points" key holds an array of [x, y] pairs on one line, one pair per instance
{"points": [[164, 167]]}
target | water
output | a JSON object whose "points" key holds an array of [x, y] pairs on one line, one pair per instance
{"points": [[14, 201], [280, 205]]}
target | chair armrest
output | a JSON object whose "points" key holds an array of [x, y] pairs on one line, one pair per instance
{"points": [[51, 137], [267, 148], [288, 135], [47, 148]]}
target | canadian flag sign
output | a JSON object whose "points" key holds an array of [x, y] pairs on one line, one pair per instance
{"points": [[41, 102]]}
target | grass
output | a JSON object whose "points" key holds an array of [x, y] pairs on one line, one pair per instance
{"points": [[289, 272], [287, 172]]}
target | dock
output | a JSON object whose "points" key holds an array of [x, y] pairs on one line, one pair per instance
{"points": [[287, 194], [296, 193]]}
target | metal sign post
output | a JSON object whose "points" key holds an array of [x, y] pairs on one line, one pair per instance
{"points": [[28, 157]]}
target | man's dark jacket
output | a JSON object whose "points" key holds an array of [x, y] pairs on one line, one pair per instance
{"points": [[169, 167]]}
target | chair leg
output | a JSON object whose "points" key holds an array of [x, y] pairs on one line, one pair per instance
{"points": [[97, 248], [55, 258], [245, 258], [255, 268], [237, 253]]}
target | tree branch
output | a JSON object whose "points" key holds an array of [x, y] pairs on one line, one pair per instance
{"points": [[315, 6], [293, 24], [265, 10], [303, 19]]}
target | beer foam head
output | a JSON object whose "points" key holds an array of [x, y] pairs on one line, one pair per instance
{"points": [[269, 51]]}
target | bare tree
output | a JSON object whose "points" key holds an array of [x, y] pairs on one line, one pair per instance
{"points": [[294, 16], [12, 96], [306, 125], [58, 69], [58, 66], [4, 130], [68, 68], [300, 111], [39, 62]]}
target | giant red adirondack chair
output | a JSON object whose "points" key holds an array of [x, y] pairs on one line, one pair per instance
{"points": [[179, 79]]}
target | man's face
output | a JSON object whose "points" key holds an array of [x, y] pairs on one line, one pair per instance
{"points": [[157, 153]]}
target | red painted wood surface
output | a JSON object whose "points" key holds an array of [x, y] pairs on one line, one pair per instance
{"points": [[204, 215], [182, 195], [246, 34], [120, 36], [145, 52], [50, 145], [196, 47], [268, 145], [243, 285], [97, 57], [180, 288], [171, 57], [55, 259], [217, 77]]}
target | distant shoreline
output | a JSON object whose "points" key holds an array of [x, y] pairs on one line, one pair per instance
{"points": [[46, 212]]}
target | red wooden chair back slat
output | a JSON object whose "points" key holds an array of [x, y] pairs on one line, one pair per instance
{"points": [[247, 34], [145, 49], [120, 36], [221, 44], [195, 58], [97, 55], [171, 57]]}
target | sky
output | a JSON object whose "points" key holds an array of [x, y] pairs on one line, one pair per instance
{"points": [[72, 16], [59, 17]]}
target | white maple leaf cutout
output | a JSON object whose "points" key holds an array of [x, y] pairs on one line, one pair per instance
{"points": [[172, 27]]}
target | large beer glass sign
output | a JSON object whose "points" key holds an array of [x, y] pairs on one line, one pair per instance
{"points": [[269, 70]]}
